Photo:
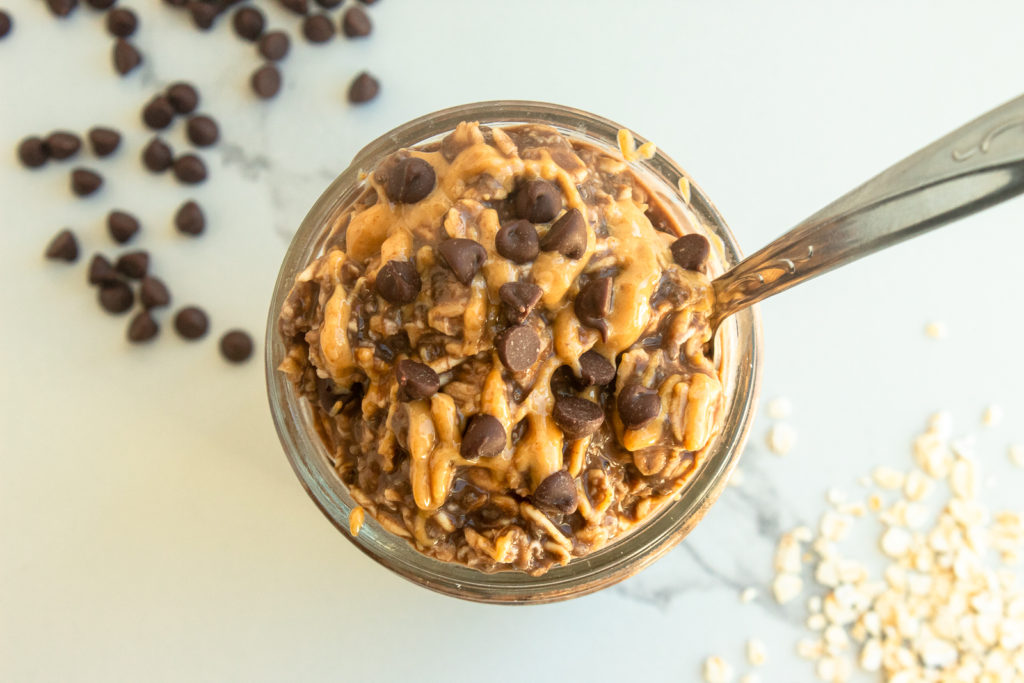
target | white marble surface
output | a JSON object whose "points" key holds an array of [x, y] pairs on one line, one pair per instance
{"points": [[150, 528]]}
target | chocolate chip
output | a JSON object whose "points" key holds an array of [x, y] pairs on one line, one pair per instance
{"points": [[274, 45], [329, 4], [62, 8], [577, 417], [142, 328], [538, 201], [296, 6], [410, 180], [248, 23], [484, 437], [158, 113], [183, 97], [593, 303], [100, 4], [519, 299], [557, 492], [368, 2], [415, 380], [517, 241], [32, 152], [121, 22], [638, 405], [236, 346], [5, 24], [189, 218], [567, 236], [595, 369], [63, 145], [84, 181], [116, 296], [691, 252], [157, 156], [363, 88], [63, 247], [518, 347], [153, 293], [191, 322], [126, 57], [176, 3], [463, 257], [355, 23], [101, 272], [122, 226], [203, 14], [104, 141], [134, 264], [318, 28], [202, 131], [398, 282], [189, 169], [266, 81]]}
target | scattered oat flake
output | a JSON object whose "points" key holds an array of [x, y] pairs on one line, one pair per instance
{"points": [[781, 438], [748, 594], [780, 408], [736, 479], [935, 330], [992, 416], [750, 678], [1016, 455], [757, 652], [785, 587], [684, 188], [888, 478], [717, 670]]}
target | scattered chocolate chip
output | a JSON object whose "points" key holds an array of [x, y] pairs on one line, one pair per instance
{"points": [[84, 181], [5, 24], [368, 2], [638, 405], [121, 22], [122, 226], [236, 346], [63, 144], [484, 437], [691, 252], [189, 218], [538, 201], [355, 23], [415, 380], [363, 88], [134, 264], [157, 155], [104, 141], [142, 328], [329, 4], [202, 131], [519, 299], [189, 169], [100, 4], [248, 23], [176, 3], [191, 322], [116, 296], [318, 28], [593, 303], [518, 347], [158, 113], [595, 369], [63, 247], [101, 272], [126, 57], [410, 180], [517, 241], [62, 8], [296, 6], [398, 282], [274, 45], [153, 293], [577, 417], [203, 14], [183, 97], [557, 492], [567, 236], [33, 152], [266, 81], [463, 257]]}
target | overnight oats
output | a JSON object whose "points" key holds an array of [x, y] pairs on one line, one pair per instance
{"points": [[503, 343]]}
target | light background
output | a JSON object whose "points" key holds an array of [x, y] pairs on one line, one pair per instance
{"points": [[150, 527]]}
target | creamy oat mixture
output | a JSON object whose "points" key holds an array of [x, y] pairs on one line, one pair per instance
{"points": [[503, 343]]}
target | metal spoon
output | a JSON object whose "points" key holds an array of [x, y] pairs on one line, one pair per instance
{"points": [[970, 169]]}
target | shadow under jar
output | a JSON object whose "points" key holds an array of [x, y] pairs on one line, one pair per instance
{"points": [[556, 568]]}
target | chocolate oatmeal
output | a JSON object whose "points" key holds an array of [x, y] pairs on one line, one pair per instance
{"points": [[502, 343]]}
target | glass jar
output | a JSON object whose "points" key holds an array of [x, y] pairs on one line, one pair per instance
{"points": [[738, 353]]}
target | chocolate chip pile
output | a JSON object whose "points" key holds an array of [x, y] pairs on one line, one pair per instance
{"points": [[503, 345]]}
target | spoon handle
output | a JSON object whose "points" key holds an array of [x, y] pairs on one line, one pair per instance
{"points": [[970, 169]]}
